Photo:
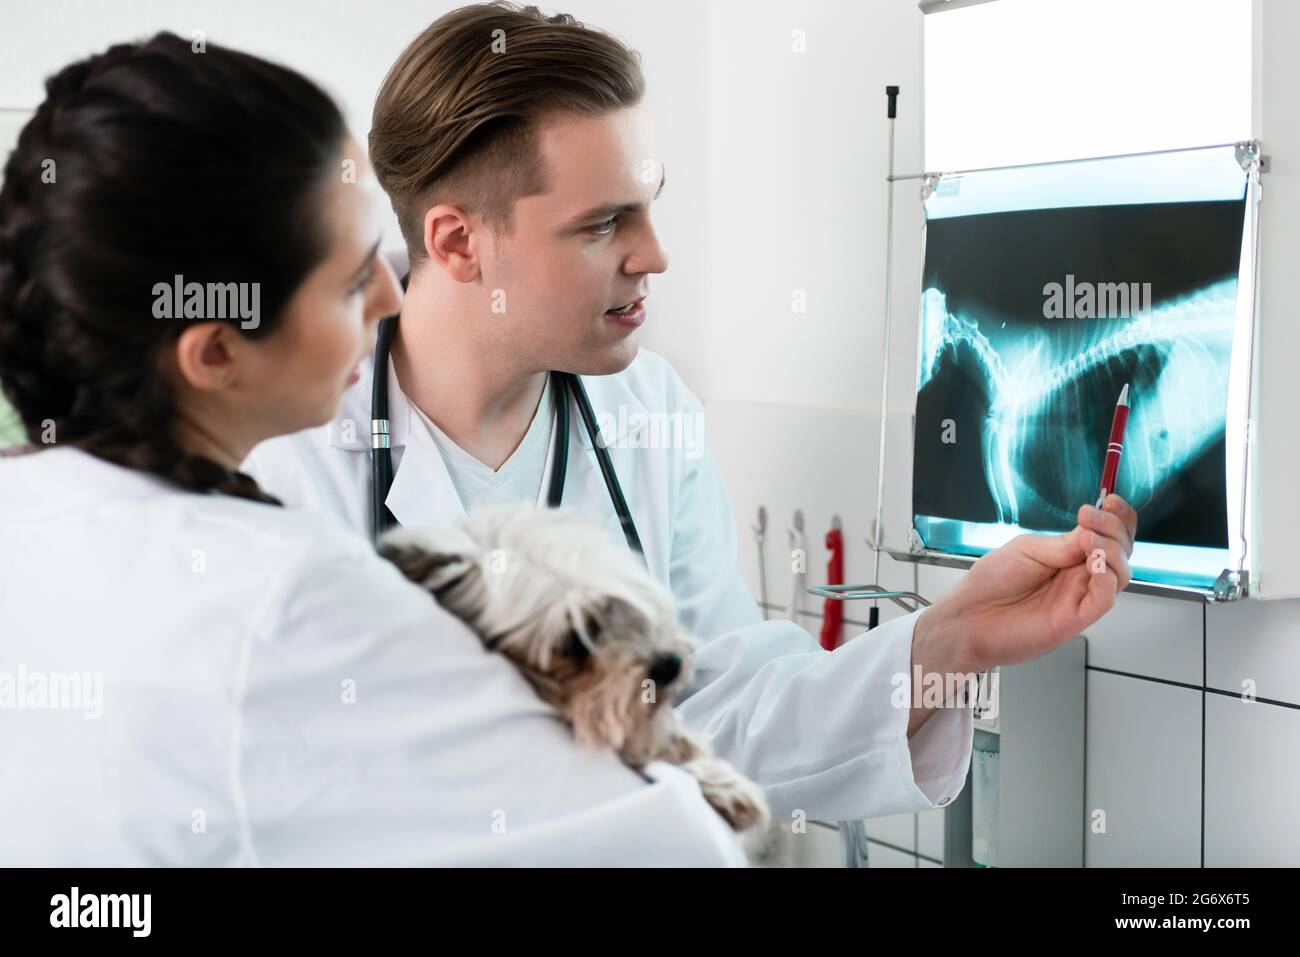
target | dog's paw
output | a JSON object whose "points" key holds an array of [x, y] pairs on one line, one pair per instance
{"points": [[677, 745], [739, 800], [769, 846]]}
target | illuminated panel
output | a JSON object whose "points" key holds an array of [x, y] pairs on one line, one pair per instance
{"points": [[1033, 319]]}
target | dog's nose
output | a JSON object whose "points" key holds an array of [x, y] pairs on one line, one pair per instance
{"points": [[665, 669]]}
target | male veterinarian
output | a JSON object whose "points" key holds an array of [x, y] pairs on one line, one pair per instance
{"points": [[514, 151]]}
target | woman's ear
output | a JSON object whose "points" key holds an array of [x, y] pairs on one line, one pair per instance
{"points": [[205, 355]]}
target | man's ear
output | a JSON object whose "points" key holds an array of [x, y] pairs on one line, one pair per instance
{"points": [[449, 241], [205, 355]]}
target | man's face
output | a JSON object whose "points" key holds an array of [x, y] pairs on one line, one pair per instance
{"points": [[583, 248]]}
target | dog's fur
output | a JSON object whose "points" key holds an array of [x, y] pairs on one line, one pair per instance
{"points": [[592, 631]]}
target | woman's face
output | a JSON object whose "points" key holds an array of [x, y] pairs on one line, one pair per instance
{"points": [[233, 391], [300, 371]]}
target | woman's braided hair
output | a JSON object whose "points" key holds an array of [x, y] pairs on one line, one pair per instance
{"points": [[148, 161]]}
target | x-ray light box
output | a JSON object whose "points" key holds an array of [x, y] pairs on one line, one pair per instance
{"points": [[1045, 290]]}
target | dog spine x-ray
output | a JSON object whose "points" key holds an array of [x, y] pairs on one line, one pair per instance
{"points": [[1037, 459], [1016, 388]]}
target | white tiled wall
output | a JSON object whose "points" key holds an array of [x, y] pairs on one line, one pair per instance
{"points": [[929, 836], [896, 830], [1152, 637], [881, 855], [1252, 776], [1143, 773], [1255, 647]]}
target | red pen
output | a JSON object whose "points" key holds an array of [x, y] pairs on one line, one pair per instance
{"points": [[1115, 447]]}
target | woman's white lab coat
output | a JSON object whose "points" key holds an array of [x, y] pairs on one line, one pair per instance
{"points": [[271, 692], [820, 731]]}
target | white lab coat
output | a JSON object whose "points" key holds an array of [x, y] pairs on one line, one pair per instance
{"points": [[818, 730], [272, 692]]}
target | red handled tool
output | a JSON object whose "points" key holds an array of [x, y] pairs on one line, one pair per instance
{"points": [[833, 612]]}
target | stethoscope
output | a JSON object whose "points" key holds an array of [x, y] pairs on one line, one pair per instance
{"points": [[563, 384]]}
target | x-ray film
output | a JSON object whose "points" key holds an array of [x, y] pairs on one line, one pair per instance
{"points": [[1045, 290]]}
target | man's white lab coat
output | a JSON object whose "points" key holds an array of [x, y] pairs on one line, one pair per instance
{"points": [[819, 731]]}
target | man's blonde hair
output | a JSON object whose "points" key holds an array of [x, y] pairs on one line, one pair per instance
{"points": [[456, 118]]}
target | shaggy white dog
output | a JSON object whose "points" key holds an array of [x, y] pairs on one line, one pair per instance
{"points": [[593, 632]]}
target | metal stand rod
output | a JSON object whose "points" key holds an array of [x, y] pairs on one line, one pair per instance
{"points": [[855, 833], [891, 93]]}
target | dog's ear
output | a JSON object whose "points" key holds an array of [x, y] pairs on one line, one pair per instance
{"points": [[432, 569], [621, 615]]}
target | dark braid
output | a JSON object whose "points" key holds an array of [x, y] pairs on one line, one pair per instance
{"points": [[166, 161]]}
